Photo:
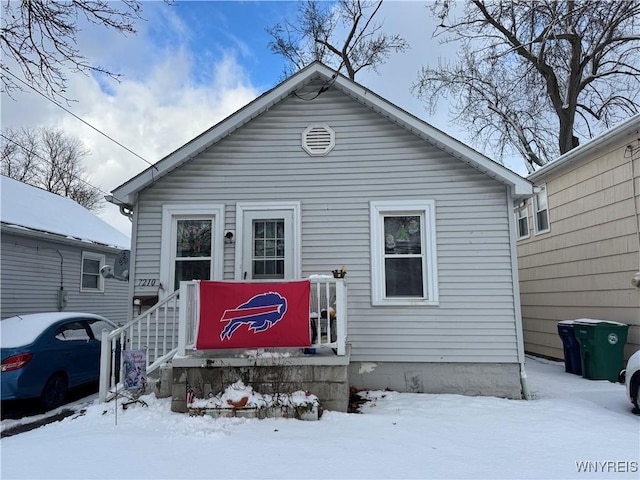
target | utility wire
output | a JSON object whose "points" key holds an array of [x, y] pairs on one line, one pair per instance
{"points": [[76, 116], [36, 154]]}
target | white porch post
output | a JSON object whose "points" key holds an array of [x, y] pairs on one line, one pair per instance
{"points": [[105, 363], [341, 310], [183, 319]]}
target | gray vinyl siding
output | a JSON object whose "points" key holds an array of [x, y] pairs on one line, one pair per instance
{"points": [[33, 270], [583, 267], [373, 159]]}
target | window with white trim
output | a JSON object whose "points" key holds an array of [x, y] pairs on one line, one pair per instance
{"points": [[522, 221], [90, 278], [192, 244], [192, 254], [541, 210], [403, 253]]}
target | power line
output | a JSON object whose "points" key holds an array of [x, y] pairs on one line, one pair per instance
{"points": [[76, 116], [36, 154]]}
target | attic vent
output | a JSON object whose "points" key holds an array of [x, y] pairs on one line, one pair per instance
{"points": [[318, 139]]}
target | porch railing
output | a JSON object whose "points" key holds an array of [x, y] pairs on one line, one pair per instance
{"points": [[155, 332], [168, 328]]}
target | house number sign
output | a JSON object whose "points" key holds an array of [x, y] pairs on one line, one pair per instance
{"points": [[147, 282]]}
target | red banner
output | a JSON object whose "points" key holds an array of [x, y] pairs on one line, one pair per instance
{"points": [[253, 315]]}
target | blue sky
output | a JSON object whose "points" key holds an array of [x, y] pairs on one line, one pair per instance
{"points": [[217, 27], [192, 64]]}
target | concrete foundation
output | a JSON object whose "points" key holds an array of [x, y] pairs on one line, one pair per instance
{"points": [[488, 379], [326, 376], [330, 377]]}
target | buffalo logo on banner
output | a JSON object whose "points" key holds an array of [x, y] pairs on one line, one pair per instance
{"points": [[260, 313], [252, 315]]}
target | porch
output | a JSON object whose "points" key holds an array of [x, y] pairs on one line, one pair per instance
{"points": [[167, 335]]}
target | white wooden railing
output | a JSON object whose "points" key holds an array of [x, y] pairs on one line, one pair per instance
{"points": [[155, 332], [168, 329]]}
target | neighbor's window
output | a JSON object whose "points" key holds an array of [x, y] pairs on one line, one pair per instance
{"points": [[522, 217], [541, 208], [192, 250], [403, 253], [91, 280]]}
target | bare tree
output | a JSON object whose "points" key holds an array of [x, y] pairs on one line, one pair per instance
{"points": [[535, 76], [40, 36], [317, 35], [51, 160]]}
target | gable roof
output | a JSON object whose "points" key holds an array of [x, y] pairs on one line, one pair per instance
{"points": [[125, 193], [628, 128], [38, 210]]}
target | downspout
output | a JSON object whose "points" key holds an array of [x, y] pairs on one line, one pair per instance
{"points": [[516, 296], [632, 151]]}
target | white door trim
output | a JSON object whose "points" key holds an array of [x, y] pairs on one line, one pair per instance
{"points": [[243, 207]]}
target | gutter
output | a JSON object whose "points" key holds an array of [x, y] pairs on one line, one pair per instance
{"points": [[526, 394]]}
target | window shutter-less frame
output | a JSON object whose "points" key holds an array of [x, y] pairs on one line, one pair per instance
{"points": [[318, 139]]}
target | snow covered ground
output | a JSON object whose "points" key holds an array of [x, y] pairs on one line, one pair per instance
{"points": [[573, 428]]}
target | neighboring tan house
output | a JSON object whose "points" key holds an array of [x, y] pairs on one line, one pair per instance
{"points": [[422, 223], [52, 252], [578, 240]]}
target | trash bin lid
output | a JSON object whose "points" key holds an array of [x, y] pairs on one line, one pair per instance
{"points": [[591, 321], [566, 322]]}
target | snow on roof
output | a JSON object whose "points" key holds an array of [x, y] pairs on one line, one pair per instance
{"points": [[34, 208]]}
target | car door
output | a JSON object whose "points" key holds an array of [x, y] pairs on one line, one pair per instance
{"points": [[78, 350]]}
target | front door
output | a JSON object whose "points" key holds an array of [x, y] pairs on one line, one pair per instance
{"points": [[268, 244]]}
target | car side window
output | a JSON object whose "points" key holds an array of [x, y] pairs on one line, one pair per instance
{"points": [[72, 331]]}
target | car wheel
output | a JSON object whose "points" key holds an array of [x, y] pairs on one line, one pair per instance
{"points": [[54, 392]]}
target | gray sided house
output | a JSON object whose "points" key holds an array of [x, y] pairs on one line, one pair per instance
{"points": [[422, 224], [578, 247], [52, 252]]}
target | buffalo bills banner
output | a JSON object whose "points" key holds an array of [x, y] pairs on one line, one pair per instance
{"points": [[253, 315]]}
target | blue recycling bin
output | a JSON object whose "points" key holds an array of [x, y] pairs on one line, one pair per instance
{"points": [[571, 347]]}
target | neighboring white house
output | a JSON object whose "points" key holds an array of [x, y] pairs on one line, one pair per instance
{"points": [[52, 252], [579, 237], [341, 177]]}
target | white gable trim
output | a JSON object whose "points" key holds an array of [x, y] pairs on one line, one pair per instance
{"points": [[125, 193]]}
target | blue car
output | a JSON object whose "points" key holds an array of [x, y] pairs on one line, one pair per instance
{"points": [[46, 354]]}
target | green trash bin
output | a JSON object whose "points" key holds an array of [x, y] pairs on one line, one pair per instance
{"points": [[601, 348]]}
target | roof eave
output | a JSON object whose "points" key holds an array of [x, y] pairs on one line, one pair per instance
{"points": [[625, 128], [126, 193]]}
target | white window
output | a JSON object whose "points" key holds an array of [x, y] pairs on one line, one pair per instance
{"points": [[403, 253], [91, 280], [541, 210], [191, 244], [522, 221]]}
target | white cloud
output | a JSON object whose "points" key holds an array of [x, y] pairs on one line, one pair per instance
{"points": [[163, 102], [153, 113]]}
